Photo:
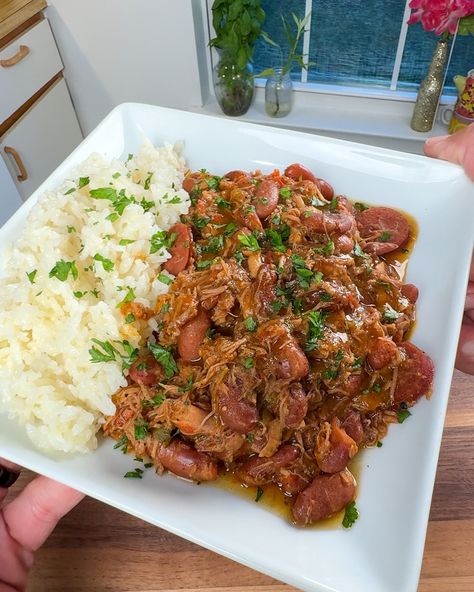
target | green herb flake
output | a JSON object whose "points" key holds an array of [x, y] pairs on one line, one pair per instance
{"points": [[358, 252], [148, 465], [165, 279], [213, 182], [360, 207], [108, 353], [248, 363], [135, 474], [130, 318], [107, 264], [222, 203], [327, 250], [285, 193], [79, 294], [200, 222], [204, 264], [385, 236], [116, 175], [31, 275], [70, 229], [389, 314], [83, 181], [146, 204], [112, 217], [379, 444], [129, 297], [148, 181], [351, 514], [377, 387], [259, 494], [249, 242], [188, 387], [104, 193], [315, 328], [357, 363], [250, 324], [125, 241], [164, 357], [276, 240], [333, 204], [402, 414], [122, 444], [141, 429], [162, 240], [69, 191], [325, 297], [62, 269]]}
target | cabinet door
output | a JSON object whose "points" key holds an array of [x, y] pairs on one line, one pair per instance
{"points": [[41, 139], [10, 199]]}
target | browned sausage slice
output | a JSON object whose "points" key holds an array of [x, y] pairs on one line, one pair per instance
{"points": [[353, 427], [415, 374], [334, 447], [296, 406], [180, 249], [146, 371], [236, 412], [299, 172], [192, 335], [258, 471], [266, 200], [183, 460], [384, 229], [325, 495], [382, 353], [234, 175]]}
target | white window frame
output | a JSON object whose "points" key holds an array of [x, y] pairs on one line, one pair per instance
{"points": [[336, 109]]}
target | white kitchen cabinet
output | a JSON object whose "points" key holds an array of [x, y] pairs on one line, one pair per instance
{"points": [[10, 199], [40, 140]]}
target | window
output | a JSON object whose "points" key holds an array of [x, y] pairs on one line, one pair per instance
{"points": [[361, 44]]}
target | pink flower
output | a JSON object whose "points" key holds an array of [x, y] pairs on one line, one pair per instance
{"points": [[440, 15]]}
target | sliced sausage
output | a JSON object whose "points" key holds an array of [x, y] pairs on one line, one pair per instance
{"points": [[353, 427], [236, 412], [415, 374], [180, 250], [299, 172], [192, 335], [411, 292], [296, 406], [259, 471], [326, 495], [183, 460], [334, 447], [146, 371], [234, 175], [247, 216], [266, 198], [383, 352], [353, 384], [188, 418], [188, 184], [384, 230], [324, 222]]}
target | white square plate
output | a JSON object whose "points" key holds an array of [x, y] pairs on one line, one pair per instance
{"points": [[383, 550]]}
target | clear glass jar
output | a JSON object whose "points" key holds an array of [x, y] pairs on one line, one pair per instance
{"points": [[278, 94], [233, 86]]}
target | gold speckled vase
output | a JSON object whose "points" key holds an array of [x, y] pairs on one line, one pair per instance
{"points": [[424, 112]]}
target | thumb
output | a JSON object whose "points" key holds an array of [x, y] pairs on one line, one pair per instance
{"points": [[435, 146]]}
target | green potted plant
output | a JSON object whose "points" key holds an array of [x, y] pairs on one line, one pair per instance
{"points": [[237, 24], [279, 87]]}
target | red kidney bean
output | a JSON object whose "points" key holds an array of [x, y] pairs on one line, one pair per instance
{"points": [[236, 412], [353, 427], [146, 371], [180, 249], [383, 352], [192, 335], [415, 374], [183, 460], [325, 495], [266, 198], [334, 448], [296, 406], [411, 292]]}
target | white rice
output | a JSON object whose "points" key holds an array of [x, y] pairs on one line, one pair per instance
{"points": [[47, 379]]}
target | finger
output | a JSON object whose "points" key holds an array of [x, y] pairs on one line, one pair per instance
{"points": [[457, 148], [33, 515], [465, 353], [469, 304], [11, 467]]}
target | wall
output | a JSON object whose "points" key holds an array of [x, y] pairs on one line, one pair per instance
{"points": [[117, 51]]}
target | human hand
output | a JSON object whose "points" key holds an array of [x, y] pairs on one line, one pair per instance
{"points": [[26, 522], [459, 148]]}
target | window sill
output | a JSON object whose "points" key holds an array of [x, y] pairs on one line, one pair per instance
{"points": [[374, 121]]}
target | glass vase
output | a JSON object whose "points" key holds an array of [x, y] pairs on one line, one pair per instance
{"points": [[233, 86], [278, 94], [426, 105]]}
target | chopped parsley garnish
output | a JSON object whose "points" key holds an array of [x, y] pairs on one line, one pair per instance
{"points": [[69, 191], [250, 242], [389, 314], [125, 241], [200, 222], [107, 264], [164, 357], [213, 183], [214, 245], [135, 474], [109, 353], [165, 308], [141, 429], [360, 207], [315, 328], [129, 296], [146, 204], [83, 181], [330, 374], [104, 193], [357, 363], [333, 204], [379, 444], [384, 237], [276, 240], [325, 297], [285, 193], [165, 279], [358, 252], [147, 183], [403, 413], [130, 318], [223, 203], [112, 217], [204, 264], [260, 492], [327, 250], [248, 363], [350, 515], [188, 387], [31, 275], [250, 324], [157, 400], [317, 202], [377, 387], [305, 276], [162, 240], [230, 228], [71, 229], [276, 220], [122, 444], [62, 269], [239, 257], [116, 175], [129, 158], [79, 294]]}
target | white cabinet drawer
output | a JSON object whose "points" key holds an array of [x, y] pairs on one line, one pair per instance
{"points": [[36, 65], [41, 139]]}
